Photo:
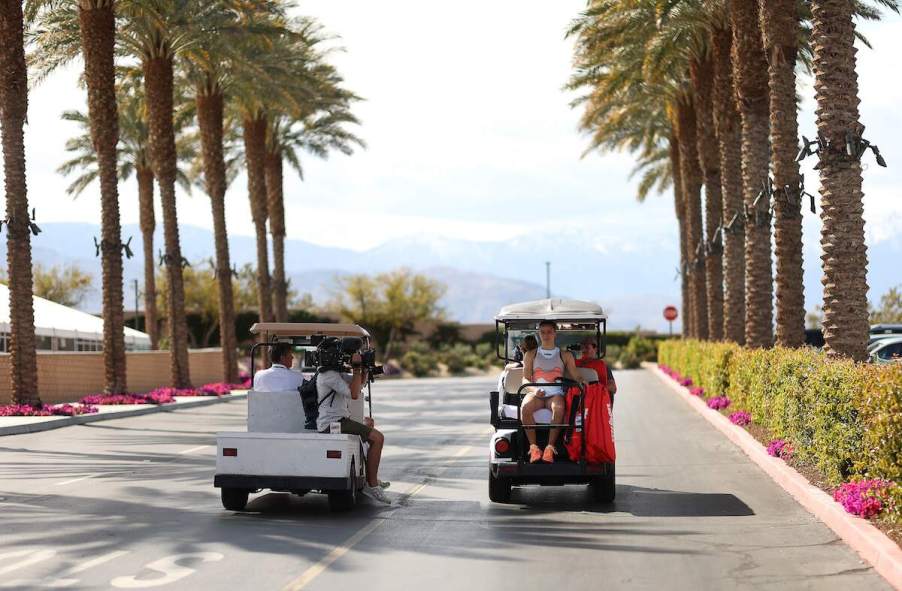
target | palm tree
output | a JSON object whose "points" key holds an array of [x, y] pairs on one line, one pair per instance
{"points": [[66, 28], [674, 154], [211, 66], [729, 140], [780, 27], [134, 158], [839, 127], [702, 74], [691, 173], [631, 106], [254, 135], [749, 69], [286, 83], [316, 134], [13, 112], [156, 32]]}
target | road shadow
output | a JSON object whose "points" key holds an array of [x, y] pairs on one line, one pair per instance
{"points": [[635, 500]]}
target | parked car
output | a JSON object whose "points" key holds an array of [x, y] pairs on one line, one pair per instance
{"points": [[887, 350]]}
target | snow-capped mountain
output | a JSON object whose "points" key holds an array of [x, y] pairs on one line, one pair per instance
{"points": [[632, 277]]}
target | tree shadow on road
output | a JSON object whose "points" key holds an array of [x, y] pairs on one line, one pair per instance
{"points": [[635, 500]]}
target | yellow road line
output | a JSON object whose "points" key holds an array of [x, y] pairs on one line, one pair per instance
{"points": [[314, 571]]}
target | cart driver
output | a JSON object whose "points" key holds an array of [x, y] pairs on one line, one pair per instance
{"points": [[279, 377], [335, 394], [546, 365]]}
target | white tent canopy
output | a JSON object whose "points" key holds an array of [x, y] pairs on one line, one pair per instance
{"points": [[55, 320]]}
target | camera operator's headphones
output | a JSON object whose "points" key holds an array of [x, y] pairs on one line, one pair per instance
{"points": [[329, 353]]}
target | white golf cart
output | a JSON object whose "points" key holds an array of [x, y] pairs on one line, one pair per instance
{"points": [[508, 446], [276, 452]]}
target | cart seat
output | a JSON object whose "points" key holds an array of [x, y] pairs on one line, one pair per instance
{"points": [[512, 379], [275, 412], [282, 412]]}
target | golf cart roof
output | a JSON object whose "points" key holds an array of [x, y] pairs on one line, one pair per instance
{"points": [[552, 309], [306, 329]]}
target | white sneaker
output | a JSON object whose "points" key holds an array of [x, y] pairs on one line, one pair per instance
{"points": [[375, 493], [384, 484]]}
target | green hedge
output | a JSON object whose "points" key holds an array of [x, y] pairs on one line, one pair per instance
{"points": [[845, 418]]}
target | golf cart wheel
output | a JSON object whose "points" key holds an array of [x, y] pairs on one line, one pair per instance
{"points": [[234, 499], [499, 488], [344, 500], [603, 487]]}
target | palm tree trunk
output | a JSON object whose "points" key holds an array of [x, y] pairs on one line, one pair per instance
{"points": [[729, 140], [780, 27], [210, 122], [844, 257], [158, 85], [702, 73], [98, 33], [681, 224], [148, 225], [751, 86], [692, 184], [14, 108], [255, 154], [276, 205]]}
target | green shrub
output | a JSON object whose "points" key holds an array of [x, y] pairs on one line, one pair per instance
{"points": [[629, 360], [458, 358], [418, 363], [881, 409], [642, 349], [843, 417]]}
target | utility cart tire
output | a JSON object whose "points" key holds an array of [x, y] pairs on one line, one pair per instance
{"points": [[234, 499], [344, 500], [499, 488], [603, 487]]}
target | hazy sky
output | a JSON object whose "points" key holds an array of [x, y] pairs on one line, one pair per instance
{"points": [[469, 135]]}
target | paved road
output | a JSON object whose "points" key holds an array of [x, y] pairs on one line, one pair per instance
{"points": [[129, 504]]}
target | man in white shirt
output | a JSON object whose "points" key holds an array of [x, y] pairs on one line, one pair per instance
{"points": [[280, 377]]}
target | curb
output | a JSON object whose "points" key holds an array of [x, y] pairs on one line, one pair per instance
{"points": [[58, 422], [870, 543]]}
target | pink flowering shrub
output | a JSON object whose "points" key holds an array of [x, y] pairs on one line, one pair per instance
{"points": [[685, 382], [697, 391], [780, 448], [741, 418], [216, 389], [718, 402], [26, 410], [864, 498], [154, 397]]}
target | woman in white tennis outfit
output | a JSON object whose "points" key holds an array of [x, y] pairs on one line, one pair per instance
{"points": [[546, 365]]}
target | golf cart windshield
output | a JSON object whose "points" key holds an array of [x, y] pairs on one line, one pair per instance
{"points": [[575, 321]]}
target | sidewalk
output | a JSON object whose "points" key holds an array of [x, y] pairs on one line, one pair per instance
{"points": [[19, 425]]}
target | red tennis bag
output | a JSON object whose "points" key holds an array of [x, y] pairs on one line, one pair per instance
{"points": [[599, 427]]}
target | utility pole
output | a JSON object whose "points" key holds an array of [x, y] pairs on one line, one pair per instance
{"points": [[548, 279]]}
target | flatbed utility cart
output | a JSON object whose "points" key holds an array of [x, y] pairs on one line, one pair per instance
{"points": [[508, 447], [277, 452]]}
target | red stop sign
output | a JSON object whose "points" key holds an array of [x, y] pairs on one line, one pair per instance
{"points": [[670, 313]]}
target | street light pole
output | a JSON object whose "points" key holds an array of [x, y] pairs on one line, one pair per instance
{"points": [[136, 304], [548, 279]]}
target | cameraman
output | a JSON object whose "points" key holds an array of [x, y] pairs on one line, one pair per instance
{"points": [[334, 395]]}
